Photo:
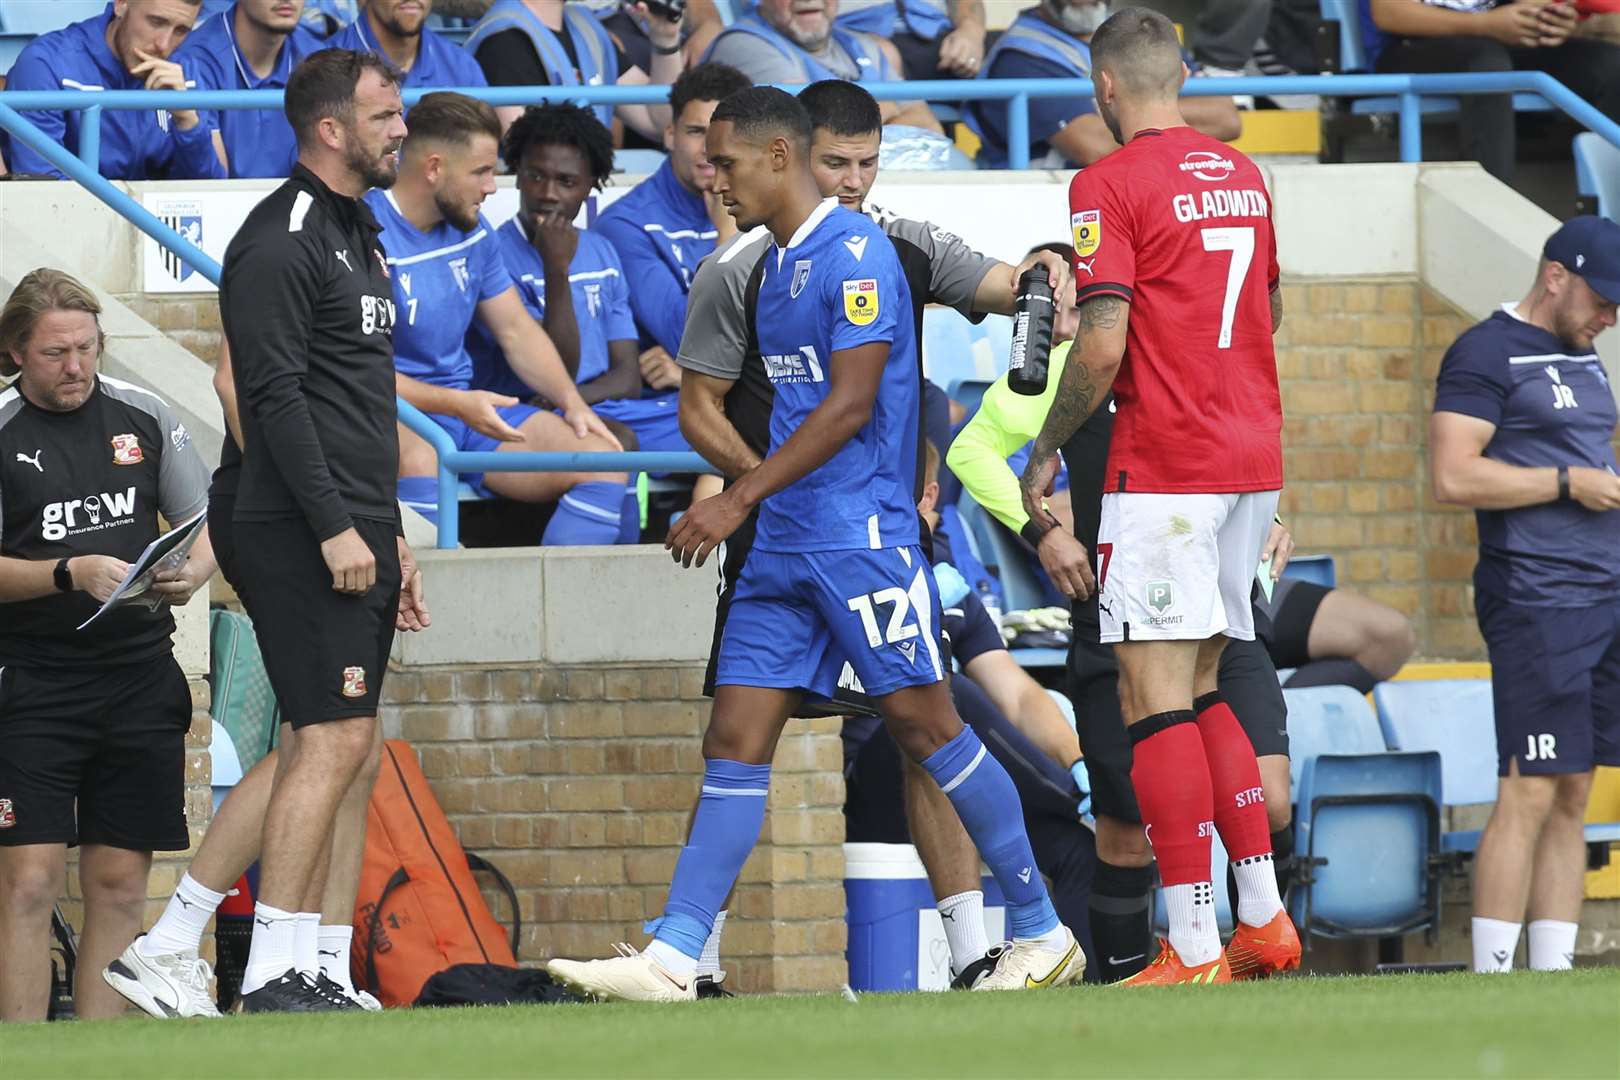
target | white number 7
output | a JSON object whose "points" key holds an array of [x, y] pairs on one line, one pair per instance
{"points": [[1240, 242]]}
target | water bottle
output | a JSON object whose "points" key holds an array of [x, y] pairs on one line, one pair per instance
{"points": [[1032, 333]]}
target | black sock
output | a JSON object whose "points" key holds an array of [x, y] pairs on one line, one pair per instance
{"points": [[1121, 933], [1282, 860], [1336, 672]]}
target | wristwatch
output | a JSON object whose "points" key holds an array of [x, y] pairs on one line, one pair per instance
{"points": [[63, 578]]}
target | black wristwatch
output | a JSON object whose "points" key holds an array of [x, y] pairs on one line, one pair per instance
{"points": [[1034, 532], [63, 578], [1563, 483], [670, 51]]}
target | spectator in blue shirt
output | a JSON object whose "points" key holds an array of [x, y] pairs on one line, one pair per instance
{"points": [[1523, 431], [1052, 41], [252, 45], [126, 47], [665, 226], [932, 43], [394, 30]]}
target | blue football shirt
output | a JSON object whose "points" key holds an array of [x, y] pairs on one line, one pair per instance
{"points": [[1551, 407], [440, 63], [440, 277], [838, 285]]}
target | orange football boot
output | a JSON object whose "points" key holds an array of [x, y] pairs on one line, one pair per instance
{"points": [[1168, 970], [1257, 952]]}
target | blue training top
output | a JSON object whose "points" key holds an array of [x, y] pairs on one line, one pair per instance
{"points": [[838, 285], [661, 232], [440, 63], [440, 277], [258, 142], [1551, 407], [135, 144]]}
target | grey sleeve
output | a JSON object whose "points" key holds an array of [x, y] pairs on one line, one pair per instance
{"points": [[756, 58], [182, 475], [955, 270], [715, 339]]}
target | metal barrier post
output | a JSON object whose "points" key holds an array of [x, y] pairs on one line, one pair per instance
{"points": [[449, 529], [1018, 131], [90, 139], [1411, 127]]}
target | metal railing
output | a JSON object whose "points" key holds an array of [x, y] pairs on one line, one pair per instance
{"points": [[1017, 93]]}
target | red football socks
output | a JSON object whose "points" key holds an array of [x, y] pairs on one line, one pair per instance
{"points": [[1240, 805], [1173, 789]]}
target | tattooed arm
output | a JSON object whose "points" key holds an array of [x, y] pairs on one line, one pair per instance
{"points": [[1099, 348]]}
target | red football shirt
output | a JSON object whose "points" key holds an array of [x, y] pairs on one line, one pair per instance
{"points": [[1179, 225]]}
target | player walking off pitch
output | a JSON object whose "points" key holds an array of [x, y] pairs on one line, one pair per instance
{"points": [[1176, 278]]}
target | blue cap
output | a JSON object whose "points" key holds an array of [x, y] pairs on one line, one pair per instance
{"points": [[1589, 247]]}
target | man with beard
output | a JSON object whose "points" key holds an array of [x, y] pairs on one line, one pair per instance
{"points": [[393, 29], [1523, 430], [447, 271], [308, 314], [126, 47], [255, 45]]}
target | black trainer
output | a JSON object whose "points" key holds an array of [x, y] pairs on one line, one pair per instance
{"points": [[333, 991], [291, 992], [984, 965], [708, 986]]}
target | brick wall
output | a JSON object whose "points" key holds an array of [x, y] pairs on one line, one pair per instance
{"points": [[578, 783], [1357, 361], [190, 320]]}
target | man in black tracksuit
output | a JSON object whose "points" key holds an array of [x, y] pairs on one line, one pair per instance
{"points": [[308, 312]]}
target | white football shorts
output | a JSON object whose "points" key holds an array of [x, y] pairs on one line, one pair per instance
{"points": [[1175, 567]]}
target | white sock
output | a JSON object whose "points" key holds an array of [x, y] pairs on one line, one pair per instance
{"points": [[1258, 900], [963, 916], [1495, 942], [271, 953], [180, 927], [1055, 939], [334, 942], [709, 962], [1194, 932], [307, 944], [1552, 945], [672, 959]]}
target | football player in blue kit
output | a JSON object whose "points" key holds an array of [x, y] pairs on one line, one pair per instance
{"points": [[836, 571], [446, 267]]}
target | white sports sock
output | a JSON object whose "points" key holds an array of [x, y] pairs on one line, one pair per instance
{"points": [[1552, 944], [271, 953], [1055, 939], [333, 942], [1495, 942], [180, 927], [307, 944], [1195, 933], [963, 916], [709, 962], [672, 959], [1258, 900]]}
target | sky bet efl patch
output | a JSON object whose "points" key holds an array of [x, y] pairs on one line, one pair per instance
{"points": [[861, 301], [1087, 232]]}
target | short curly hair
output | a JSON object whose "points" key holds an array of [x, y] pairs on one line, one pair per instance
{"points": [[561, 124]]}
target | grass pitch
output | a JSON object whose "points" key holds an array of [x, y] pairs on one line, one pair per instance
{"points": [[1421, 1026]]}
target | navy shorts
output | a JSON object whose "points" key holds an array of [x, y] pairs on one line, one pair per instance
{"points": [[476, 441], [1555, 683], [797, 617]]}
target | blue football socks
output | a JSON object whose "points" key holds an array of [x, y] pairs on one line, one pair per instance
{"points": [[420, 493], [587, 514]]}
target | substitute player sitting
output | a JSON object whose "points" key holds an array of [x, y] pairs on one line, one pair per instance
{"points": [[445, 263], [1175, 262], [837, 570]]}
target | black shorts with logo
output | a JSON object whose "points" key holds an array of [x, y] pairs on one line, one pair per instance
{"points": [[111, 740], [1248, 682], [326, 653]]}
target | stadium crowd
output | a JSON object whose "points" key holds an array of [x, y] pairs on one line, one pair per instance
{"points": [[632, 333]]}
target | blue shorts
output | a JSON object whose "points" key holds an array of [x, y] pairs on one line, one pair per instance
{"points": [[466, 438], [656, 421], [799, 617], [1555, 683]]}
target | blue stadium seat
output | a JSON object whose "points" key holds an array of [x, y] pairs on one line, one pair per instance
{"points": [[34, 17], [958, 353], [1317, 569], [1597, 172], [1457, 718], [1353, 60], [1367, 821], [997, 550], [638, 162]]}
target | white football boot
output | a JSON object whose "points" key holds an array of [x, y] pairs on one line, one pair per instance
{"points": [[630, 976], [1027, 966]]}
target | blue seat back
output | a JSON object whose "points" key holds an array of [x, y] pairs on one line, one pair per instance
{"points": [[36, 17], [1597, 172], [1328, 720], [955, 351], [1452, 716], [1373, 875], [1352, 54], [1317, 569], [995, 547]]}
